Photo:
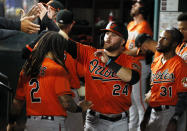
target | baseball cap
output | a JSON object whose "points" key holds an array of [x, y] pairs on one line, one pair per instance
{"points": [[64, 17], [57, 5], [118, 28]]}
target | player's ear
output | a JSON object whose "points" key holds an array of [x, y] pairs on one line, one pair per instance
{"points": [[123, 42], [101, 40]]}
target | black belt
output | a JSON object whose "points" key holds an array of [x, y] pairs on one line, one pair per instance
{"points": [[113, 119], [161, 108], [43, 117]]}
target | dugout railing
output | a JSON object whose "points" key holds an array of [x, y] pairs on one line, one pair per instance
{"points": [[5, 101]]}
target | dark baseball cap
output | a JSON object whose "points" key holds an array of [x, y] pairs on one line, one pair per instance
{"points": [[57, 5], [64, 17], [118, 28]]}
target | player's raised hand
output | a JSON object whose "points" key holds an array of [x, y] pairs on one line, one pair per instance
{"points": [[43, 10], [27, 26], [101, 54], [85, 105], [35, 10]]}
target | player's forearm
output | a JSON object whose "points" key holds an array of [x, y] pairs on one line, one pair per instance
{"points": [[49, 23], [132, 52], [69, 104], [125, 74], [151, 45], [10, 24], [128, 75], [15, 110]]}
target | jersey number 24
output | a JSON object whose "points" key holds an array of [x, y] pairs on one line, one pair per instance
{"points": [[118, 90]]}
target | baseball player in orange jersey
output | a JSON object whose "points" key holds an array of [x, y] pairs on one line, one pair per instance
{"points": [[181, 50], [138, 26], [44, 85], [108, 79], [65, 20], [168, 72]]}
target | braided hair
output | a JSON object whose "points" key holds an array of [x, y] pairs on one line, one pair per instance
{"points": [[51, 42]]}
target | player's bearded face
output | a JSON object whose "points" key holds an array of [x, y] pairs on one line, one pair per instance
{"points": [[112, 42], [165, 42]]}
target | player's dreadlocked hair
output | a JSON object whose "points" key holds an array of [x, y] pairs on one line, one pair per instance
{"points": [[51, 42]]}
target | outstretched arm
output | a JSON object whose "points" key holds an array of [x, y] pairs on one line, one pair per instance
{"points": [[131, 76], [144, 42], [69, 104], [132, 52], [25, 24], [9, 24]]}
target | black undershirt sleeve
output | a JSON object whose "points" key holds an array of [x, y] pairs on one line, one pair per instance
{"points": [[135, 77], [72, 48], [50, 24], [10, 24], [116, 67]]}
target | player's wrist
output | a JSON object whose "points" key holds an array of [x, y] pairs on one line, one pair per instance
{"points": [[108, 62], [114, 66]]}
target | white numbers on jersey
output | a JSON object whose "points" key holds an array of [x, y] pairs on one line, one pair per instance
{"points": [[117, 90], [166, 91], [34, 90]]}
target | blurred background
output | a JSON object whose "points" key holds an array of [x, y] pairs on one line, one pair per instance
{"points": [[90, 17]]}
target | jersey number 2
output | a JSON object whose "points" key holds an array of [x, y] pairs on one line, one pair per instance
{"points": [[34, 90]]}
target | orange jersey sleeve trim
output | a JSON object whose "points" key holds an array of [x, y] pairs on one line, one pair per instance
{"points": [[181, 50]]}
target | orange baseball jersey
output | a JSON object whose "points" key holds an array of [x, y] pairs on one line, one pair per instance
{"points": [[73, 67], [167, 80], [133, 31], [181, 50], [108, 93], [41, 93]]}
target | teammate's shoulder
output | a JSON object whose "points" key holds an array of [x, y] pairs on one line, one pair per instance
{"points": [[178, 59], [53, 68], [131, 23], [144, 23]]}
